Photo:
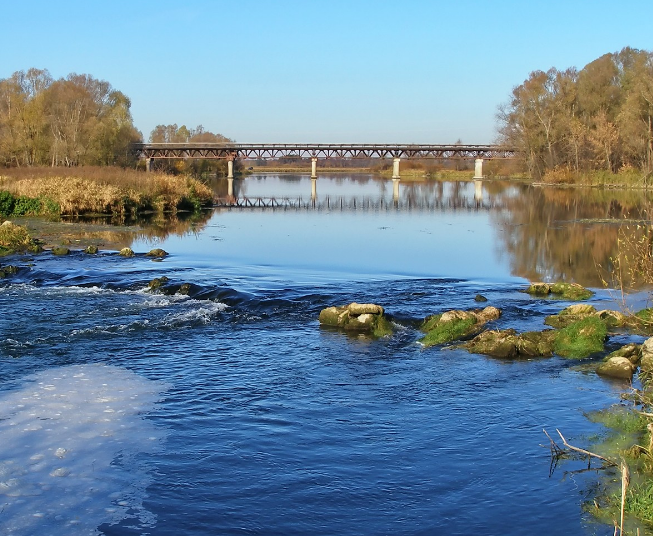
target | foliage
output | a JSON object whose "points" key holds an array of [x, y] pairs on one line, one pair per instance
{"points": [[569, 123], [15, 238], [77, 120]]}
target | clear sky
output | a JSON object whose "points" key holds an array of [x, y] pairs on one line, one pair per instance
{"points": [[323, 71]]}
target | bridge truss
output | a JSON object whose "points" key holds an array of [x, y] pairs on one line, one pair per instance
{"points": [[232, 151]]}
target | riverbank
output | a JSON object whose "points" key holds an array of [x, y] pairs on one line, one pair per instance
{"points": [[97, 190]]}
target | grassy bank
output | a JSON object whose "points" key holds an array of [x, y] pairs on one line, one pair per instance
{"points": [[96, 190]]}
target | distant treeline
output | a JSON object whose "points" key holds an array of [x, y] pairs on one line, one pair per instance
{"points": [[77, 120], [596, 119]]}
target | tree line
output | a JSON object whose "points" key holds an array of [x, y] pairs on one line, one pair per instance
{"points": [[597, 119], [76, 120]]}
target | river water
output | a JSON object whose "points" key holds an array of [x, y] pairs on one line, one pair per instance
{"points": [[230, 411]]}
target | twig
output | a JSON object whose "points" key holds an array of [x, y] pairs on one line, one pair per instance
{"points": [[583, 451], [555, 449]]}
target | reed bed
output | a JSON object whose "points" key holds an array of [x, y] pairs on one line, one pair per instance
{"points": [[104, 190]]}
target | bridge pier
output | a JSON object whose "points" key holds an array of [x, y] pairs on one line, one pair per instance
{"points": [[478, 191], [230, 168], [148, 164], [313, 188], [395, 168], [230, 187], [478, 168], [395, 190], [314, 167]]}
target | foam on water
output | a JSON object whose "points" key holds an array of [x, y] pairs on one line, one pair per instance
{"points": [[69, 454]]}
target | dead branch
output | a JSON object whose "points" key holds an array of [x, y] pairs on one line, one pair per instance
{"points": [[583, 451]]}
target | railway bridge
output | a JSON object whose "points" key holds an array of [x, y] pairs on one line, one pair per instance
{"points": [[232, 151]]}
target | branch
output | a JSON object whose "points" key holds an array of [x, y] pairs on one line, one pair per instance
{"points": [[583, 451]]}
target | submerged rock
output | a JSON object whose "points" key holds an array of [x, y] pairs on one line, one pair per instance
{"points": [[357, 317], [91, 250], [8, 270], [480, 298], [157, 252], [581, 339], [126, 252], [507, 344], [566, 291], [185, 289], [456, 324]]}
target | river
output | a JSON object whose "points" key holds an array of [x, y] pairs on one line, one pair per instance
{"points": [[230, 411]]}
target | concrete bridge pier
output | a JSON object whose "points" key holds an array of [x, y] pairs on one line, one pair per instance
{"points": [[395, 168], [230, 168], [230, 187], [314, 167], [313, 188], [148, 164], [395, 190], [478, 168]]}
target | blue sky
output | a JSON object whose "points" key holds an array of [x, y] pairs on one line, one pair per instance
{"points": [[329, 71]]}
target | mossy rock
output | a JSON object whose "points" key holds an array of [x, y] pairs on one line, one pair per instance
{"points": [[357, 318], [60, 250], [185, 289], [581, 339], [563, 291], [631, 351], [14, 238], [451, 330], [157, 283], [569, 315], [6, 271], [91, 250], [507, 344], [456, 325], [157, 252], [480, 298], [126, 252]]}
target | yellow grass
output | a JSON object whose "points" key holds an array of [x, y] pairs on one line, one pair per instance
{"points": [[105, 190]]}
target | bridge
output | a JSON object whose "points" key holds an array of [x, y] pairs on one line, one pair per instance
{"points": [[232, 151]]}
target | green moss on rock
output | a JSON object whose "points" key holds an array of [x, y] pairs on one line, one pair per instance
{"points": [[581, 339], [449, 331], [564, 291], [357, 318], [14, 238], [507, 344]]}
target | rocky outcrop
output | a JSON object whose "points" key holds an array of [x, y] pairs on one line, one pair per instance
{"points": [[456, 324], [565, 291], [157, 283], [365, 318], [579, 311], [91, 250], [508, 344], [60, 250], [126, 252], [157, 252]]}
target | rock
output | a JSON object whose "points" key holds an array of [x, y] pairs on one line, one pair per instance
{"points": [[480, 298], [455, 325], [646, 360], [507, 344], [566, 291], [630, 351], [612, 318], [91, 250], [157, 283], [8, 270], [185, 289], [60, 250], [616, 367], [569, 315], [364, 308], [581, 339], [157, 252], [126, 252], [365, 318]]}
